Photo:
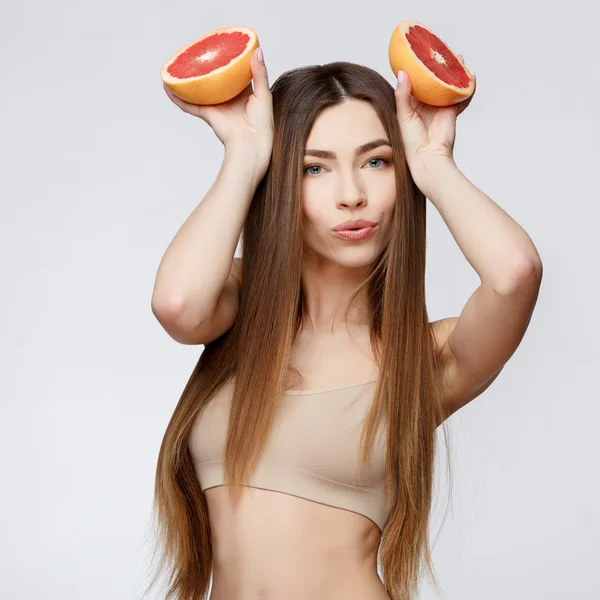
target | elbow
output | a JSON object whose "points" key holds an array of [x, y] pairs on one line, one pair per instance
{"points": [[526, 274], [176, 317], [164, 309]]}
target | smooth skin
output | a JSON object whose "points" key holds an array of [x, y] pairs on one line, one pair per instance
{"points": [[274, 545]]}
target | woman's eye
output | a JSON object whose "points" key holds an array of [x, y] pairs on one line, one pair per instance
{"points": [[312, 167], [385, 161]]}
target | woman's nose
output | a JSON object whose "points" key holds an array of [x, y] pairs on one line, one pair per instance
{"points": [[351, 192]]}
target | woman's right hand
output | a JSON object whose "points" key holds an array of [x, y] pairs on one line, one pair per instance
{"points": [[245, 120]]}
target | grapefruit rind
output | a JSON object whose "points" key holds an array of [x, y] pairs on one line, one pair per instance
{"points": [[426, 86], [219, 85]]}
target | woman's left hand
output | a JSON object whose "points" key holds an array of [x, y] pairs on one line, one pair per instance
{"points": [[428, 132]]}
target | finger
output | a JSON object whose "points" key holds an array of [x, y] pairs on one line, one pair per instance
{"points": [[167, 90], [193, 109], [404, 104], [261, 78], [176, 99]]}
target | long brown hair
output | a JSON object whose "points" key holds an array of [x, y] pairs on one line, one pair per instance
{"points": [[256, 350]]}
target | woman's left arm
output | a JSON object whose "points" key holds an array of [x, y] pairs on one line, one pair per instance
{"points": [[475, 346]]}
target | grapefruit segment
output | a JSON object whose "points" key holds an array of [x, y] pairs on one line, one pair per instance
{"points": [[438, 77], [213, 68]]}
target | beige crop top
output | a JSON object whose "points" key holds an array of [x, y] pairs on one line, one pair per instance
{"points": [[312, 450]]}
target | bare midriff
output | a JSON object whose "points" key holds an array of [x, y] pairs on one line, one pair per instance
{"points": [[275, 546]]}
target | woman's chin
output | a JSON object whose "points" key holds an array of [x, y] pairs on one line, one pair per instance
{"points": [[355, 259]]}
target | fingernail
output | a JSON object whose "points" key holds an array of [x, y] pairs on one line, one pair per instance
{"points": [[400, 77], [261, 57]]}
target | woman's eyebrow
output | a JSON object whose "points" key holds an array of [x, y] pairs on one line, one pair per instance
{"points": [[360, 150]]}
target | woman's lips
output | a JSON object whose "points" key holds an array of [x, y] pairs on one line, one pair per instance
{"points": [[355, 234]]}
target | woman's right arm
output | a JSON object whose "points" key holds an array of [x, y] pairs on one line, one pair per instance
{"points": [[195, 296], [196, 292]]}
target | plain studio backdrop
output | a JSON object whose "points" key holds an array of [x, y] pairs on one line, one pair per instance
{"points": [[100, 169]]}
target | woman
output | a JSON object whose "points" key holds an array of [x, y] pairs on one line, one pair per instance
{"points": [[264, 479]]}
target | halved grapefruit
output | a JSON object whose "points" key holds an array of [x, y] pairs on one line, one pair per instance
{"points": [[214, 68], [437, 76]]}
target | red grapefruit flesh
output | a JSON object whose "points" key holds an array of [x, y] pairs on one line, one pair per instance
{"points": [[437, 75], [214, 68]]}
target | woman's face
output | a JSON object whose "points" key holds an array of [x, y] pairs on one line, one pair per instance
{"points": [[341, 185]]}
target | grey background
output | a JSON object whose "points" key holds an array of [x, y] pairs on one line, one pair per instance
{"points": [[100, 169]]}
